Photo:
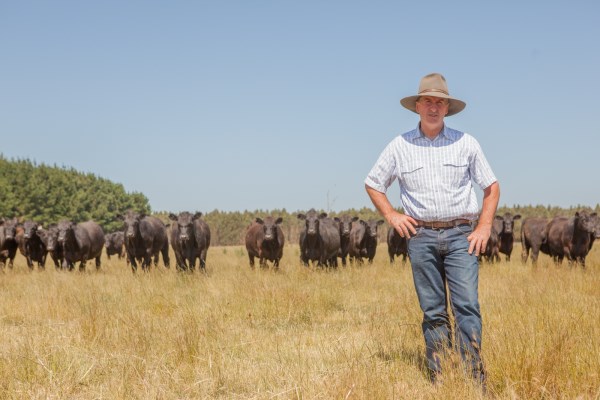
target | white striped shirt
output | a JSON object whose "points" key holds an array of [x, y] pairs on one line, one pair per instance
{"points": [[435, 176]]}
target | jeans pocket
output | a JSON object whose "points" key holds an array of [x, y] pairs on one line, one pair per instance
{"points": [[465, 229], [419, 230]]}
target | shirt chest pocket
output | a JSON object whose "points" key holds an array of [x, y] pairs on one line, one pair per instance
{"points": [[412, 176], [456, 171]]}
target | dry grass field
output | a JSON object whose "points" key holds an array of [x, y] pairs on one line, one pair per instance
{"points": [[237, 333]]}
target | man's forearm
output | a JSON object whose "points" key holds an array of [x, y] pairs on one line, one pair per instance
{"points": [[380, 201], [491, 196]]}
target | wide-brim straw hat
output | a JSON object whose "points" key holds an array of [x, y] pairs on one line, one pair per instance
{"points": [[434, 85]]}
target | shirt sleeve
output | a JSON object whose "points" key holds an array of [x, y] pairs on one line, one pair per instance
{"points": [[481, 172], [383, 173]]}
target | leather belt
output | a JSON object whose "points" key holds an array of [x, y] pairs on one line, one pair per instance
{"points": [[442, 224]]}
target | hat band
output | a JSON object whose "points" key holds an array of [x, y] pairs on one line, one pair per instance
{"points": [[433, 90]]}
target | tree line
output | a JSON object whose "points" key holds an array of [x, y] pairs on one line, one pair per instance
{"points": [[49, 194]]}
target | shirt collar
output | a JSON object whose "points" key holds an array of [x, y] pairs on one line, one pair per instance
{"points": [[446, 133]]}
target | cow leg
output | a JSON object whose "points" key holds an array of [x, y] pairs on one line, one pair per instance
{"points": [[179, 264], [567, 252], [29, 262], [203, 261], [525, 253], [132, 262], [262, 262], [304, 260], [343, 260], [535, 252], [276, 263], [98, 262], [185, 259], [147, 262], [165, 256], [251, 259], [55, 260], [82, 266], [321, 262]]}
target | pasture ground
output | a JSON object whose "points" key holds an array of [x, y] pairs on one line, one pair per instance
{"points": [[237, 333]]}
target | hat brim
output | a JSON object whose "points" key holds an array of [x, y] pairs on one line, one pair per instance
{"points": [[455, 106]]}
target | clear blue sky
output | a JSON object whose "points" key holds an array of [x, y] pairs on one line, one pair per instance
{"points": [[277, 104]]}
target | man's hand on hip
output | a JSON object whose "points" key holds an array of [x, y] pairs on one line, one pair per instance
{"points": [[478, 239], [402, 223]]}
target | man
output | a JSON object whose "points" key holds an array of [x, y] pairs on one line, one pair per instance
{"points": [[435, 166]]}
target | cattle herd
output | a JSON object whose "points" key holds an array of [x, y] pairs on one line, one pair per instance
{"points": [[141, 241], [323, 240], [559, 237]]}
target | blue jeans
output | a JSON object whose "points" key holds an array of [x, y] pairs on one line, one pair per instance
{"points": [[438, 256]]}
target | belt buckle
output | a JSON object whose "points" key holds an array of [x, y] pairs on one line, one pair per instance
{"points": [[436, 226]]}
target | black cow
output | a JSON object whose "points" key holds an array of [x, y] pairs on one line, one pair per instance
{"points": [[145, 236], [8, 241], [190, 239], [80, 242], [345, 222], [50, 239], [363, 240], [571, 237], [115, 244], [534, 235], [491, 253], [265, 240], [31, 245], [320, 239], [506, 234], [397, 245]]}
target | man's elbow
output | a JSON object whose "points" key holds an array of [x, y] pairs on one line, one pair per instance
{"points": [[492, 190], [371, 190]]}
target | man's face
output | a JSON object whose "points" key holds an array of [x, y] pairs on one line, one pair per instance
{"points": [[432, 109]]}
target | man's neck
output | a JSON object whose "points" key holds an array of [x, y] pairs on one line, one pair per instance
{"points": [[431, 132]]}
